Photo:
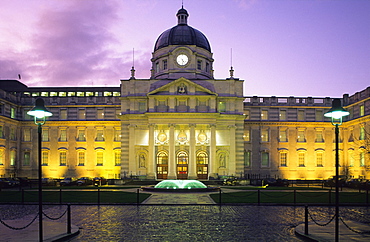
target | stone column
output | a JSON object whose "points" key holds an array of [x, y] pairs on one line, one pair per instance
{"points": [[131, 150], [212, 164], [151, 154], [192, 157], [172, 156], [232, 158]]}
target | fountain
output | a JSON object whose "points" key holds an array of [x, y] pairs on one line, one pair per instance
{"points": [[181, 186]]}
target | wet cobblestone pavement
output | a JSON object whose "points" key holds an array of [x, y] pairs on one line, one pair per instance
{"points": [[186, 222], [193, 223]]}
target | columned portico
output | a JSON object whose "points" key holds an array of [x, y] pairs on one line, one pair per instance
{"points": [[192, 157], [172, 155]]}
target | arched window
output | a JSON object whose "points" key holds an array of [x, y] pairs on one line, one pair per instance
{"points": [[162, 158], [202, 158], [182, 157]]}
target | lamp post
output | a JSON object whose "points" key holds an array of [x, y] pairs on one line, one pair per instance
{"points": [[336, 113], [39, 112]]}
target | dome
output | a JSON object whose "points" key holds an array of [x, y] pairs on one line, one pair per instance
{"points": [[182, 34]]}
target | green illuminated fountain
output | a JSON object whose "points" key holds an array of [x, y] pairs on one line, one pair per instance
{"points": [[180, 186]]}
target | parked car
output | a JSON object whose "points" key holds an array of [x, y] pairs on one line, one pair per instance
{"points": [[48, 181], [23, 181], [231, 181], [84, 181], [98, 181], [354, 183], [269, 181], [14, 181], [331, 181], [69, 181], [5, 183]]}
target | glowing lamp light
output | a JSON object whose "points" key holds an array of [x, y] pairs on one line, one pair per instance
{"points": [[39, 110], [337, 112]]}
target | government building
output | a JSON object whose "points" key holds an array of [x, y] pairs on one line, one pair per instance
{"points": [[181, 123]]}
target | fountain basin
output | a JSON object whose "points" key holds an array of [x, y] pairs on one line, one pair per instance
{"points": [[181, 186]]}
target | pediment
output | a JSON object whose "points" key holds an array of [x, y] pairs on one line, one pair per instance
{"points": [[182, 86]]}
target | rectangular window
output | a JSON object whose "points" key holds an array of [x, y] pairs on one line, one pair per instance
{"points": [[12, 112], [142, 106], [264, 115], [63, 135], [99, 158], [81, 114], [247, 135], [100, 114], [164, 64], [301, 115], [264, 135], [12, 134], [319, 159], [351, 159], [264, 159], [13, 157], [45, 135], [301, 159], [283, 158], [81, 135], [319, 136], [282, 115], [117, 158], [283, 135], [26, 135], [117, 135], [63, 158], [81, 158], [26, 158], [221, 107], [362, 110], [157, 67], [1, 132], [318, 115], [362, 133], [45, 158], [362, 158], [207, 67], [199, 65], [1, 157], [247, 158], [301, 136], [99, 135], [63, 114]]}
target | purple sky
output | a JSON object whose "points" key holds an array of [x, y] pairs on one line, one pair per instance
{"points": [[318, 48]]}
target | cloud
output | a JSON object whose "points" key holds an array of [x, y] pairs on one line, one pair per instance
{"points": [[72, 46]]}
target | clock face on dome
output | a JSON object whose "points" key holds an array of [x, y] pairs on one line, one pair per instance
{"points": [[182, 59]]}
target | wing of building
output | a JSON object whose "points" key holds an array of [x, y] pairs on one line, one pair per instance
{"points": [[181, 123]]}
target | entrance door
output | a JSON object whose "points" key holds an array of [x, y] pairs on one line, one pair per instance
{"points": [[162, 165], [202, 165], [182, 165]]}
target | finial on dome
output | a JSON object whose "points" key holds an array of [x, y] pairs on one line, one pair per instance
{"points": [[132, 73], [182, 16], [231, 73]]}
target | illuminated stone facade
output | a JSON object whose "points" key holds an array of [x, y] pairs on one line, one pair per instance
{"points": [[179, 124]]}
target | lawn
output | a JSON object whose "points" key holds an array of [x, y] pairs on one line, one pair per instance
{"points": [[73, 196]]}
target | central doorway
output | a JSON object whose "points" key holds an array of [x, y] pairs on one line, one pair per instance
{"points": [[182, 165], [162, 165], [202, 165]]}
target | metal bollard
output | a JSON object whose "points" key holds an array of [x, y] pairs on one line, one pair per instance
{"points": [[69, 224], [306, 220], [98, 196], [219, 198], [60, 196], [22, 196]]}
